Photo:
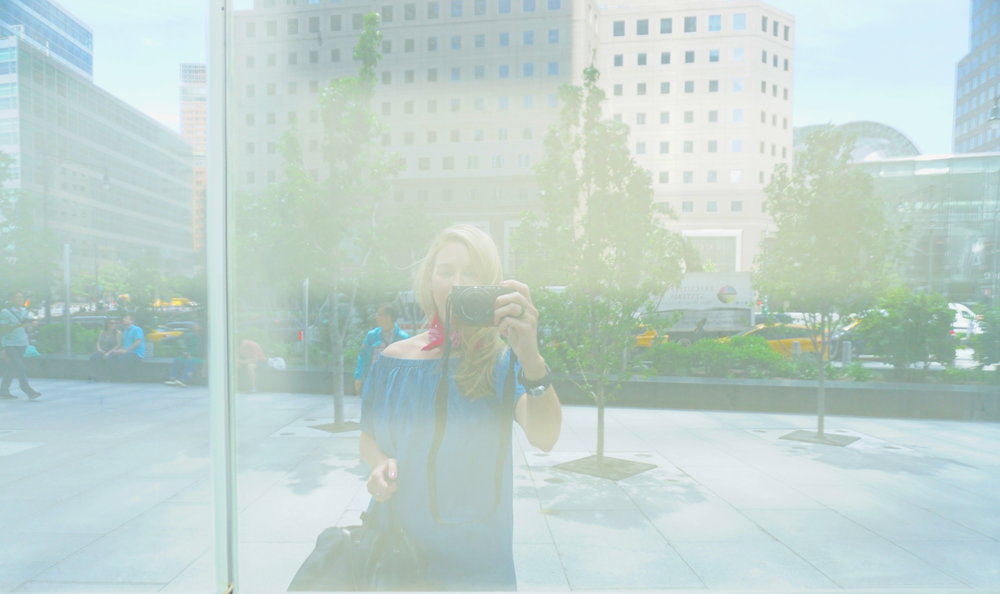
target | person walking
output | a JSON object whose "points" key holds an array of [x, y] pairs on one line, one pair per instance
{"points": [[385, 333], [13, 322]]}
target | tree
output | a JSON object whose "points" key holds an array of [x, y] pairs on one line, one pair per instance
{"points": [[28, 250], [908, 328], [833, 251], [318, 228], [597, 236]]}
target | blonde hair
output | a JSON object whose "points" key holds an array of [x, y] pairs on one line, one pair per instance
{"points": [[479, 347]]}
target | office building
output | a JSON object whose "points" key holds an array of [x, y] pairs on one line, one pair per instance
{"points": [[194, 129], [977, 82], [108, 180], [53, 30], [468, 89]]}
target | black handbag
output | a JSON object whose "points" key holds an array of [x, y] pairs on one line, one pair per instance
{"points": [[362, 558]]}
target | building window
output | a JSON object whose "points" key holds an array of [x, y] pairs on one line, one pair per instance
{"points": [[689, 86], [456, 8], [738, 54], [664, 148], [736, 206], [432, 75], [713, 146], [640, 148], [715, 22], [665, 88], [712, 176], [689, 57], [504, 39], [738, 85], [642, 27], [479, 72], [386, 14], [735, 176], [688, 117], [713, 55], [737, 115], [641, 59], [528, 70], [640, 89], [619, 60], [618, 28], [480, 40], [432, 44], [664, 57], [690, 24], [786, 32], [504, 7], [687, 206], [763, 24], [553, 36], [688, 146], [409, 46], [553, 68], [480, 7], [666, 26], [711, 206], [456, 74], [664, 177], [713, 86], [640, 119], [410, 12], [433, 10], [664, 117], [456, 42], [739, 21], [529, 38], [688, 177], [617, 90], [528, 6], [503, 70]]}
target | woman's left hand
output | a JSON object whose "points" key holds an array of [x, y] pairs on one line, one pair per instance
{"points": [[517, 320]]}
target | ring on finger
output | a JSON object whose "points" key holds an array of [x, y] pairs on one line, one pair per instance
{"points": [[520, 314]]}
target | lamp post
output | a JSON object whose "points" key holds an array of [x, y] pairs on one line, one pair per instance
{"points": [[994, 121]]}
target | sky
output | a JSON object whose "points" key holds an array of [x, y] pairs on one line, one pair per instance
{"points": [[889, 61]]}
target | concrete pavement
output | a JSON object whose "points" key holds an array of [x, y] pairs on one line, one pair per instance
{"points": [[107, 488]]}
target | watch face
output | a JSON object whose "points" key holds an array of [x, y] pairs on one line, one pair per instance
{"points": [[537, 390]]}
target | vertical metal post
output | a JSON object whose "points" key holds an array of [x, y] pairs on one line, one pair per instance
{"points": [[220, 360], [305, 317], [67, 295]]}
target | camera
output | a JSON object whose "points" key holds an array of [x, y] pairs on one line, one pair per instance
{"points": [[473, 305]]}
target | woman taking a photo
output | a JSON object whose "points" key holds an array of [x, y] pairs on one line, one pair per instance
{"points": [[446, 472]]}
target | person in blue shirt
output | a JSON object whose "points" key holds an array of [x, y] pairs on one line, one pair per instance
{"points": [[14, 319], [132, 350], [379, 337], [460, 518]]}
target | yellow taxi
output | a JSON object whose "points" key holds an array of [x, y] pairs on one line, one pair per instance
{"points": [[782, 337]]}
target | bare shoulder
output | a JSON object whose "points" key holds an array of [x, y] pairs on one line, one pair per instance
{"points": [[411, 348]]}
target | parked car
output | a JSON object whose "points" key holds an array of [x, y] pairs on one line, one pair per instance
{"points": [[169, 331], [782, 337], [966, 322]]}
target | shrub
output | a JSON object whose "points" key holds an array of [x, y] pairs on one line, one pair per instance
{"points": [[51, 339], [909, 328], [986, 346], [739, 356]]}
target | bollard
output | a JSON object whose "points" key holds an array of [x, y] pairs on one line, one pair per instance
{"points": [[796, 349], [846, 353]]}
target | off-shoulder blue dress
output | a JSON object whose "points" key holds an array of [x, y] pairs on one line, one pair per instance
{"points": [[471, 548]]}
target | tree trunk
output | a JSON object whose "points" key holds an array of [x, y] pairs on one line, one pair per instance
{"points": [[599, 398], [821, 379], [337, 350]]}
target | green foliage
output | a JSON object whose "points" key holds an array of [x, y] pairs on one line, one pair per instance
{"points": [[596, 236], [51, 339], [28, 248], [740, 356], [909, 328], [954, 375], [987, 344]]}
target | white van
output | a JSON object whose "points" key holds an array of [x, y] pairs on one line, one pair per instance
{"points": [[966, 322]]}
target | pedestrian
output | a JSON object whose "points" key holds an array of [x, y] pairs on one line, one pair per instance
{"points": [[131, 352], [14, 321], [249, 356], [108, 341], [182, 368], [382, 335], [461, 519]]}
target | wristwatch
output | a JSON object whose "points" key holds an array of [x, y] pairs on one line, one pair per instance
{"points": [[536, 387]]}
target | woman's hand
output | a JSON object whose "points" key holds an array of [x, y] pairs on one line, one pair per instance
{"points": [[517, 320], [382, 480]]}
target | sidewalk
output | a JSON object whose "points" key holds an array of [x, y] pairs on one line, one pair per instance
{"points": [[107, 488]]}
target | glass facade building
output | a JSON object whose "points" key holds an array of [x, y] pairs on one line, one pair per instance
{"points": [[977, 81], [52, 29], [948, 209]]}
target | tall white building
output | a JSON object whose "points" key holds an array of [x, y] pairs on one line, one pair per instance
{"points": [[467, 90], [706, 87]]}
